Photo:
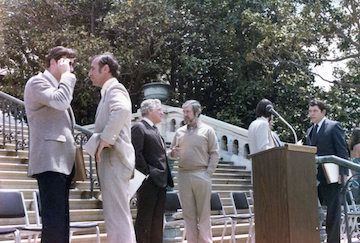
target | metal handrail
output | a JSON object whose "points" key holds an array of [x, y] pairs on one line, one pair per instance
{"points": [[344, 163], [337, 160], [11, 98], [14, 109]]}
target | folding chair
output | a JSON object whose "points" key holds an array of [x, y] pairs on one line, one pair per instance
{"points": [[241, 203], [74, 226], [13, 206], [172, 206], [216, 205], [353, 212], [11, 233]]}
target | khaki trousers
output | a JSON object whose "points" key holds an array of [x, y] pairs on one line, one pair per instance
{"points": [[114, 181], [195, 194]]}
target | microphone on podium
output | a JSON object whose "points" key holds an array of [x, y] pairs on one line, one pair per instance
{"points": [[270, 108]]}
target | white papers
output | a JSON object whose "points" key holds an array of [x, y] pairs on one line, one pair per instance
{"points": [[92, 144], [331, 172], [136, 182]]}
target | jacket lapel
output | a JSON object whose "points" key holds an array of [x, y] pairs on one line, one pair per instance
{"points": [[157, 134], [100, 105]]}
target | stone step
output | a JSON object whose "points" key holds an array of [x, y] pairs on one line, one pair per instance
{"points": [[76, 215], [216, 180], [231, 187], [20, 167], [223, 173], [13, 159], [74, 193], [32, 184], [74, 204], [22, 175], [13, 163], [223, 170], [221, 165], [12, 151], [13, 166]]}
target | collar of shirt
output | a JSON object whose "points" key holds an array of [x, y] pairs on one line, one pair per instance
{"points": [[263, 118], [192, 128], [107, 85], [51, 78], [320, 123], [148, 121]]}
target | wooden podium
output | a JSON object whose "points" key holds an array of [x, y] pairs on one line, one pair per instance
{"points": [[285, 195]]}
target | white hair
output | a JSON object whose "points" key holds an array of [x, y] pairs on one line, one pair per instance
{"points": [[149, 104]]}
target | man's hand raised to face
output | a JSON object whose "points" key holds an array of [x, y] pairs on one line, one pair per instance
{"points": [[65, 65]]}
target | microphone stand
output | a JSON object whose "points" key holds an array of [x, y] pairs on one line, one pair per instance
{"points": [[284, 121]]}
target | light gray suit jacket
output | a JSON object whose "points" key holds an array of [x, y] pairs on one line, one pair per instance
{"points": [[51, 121], [260, 136], [113, 123]]}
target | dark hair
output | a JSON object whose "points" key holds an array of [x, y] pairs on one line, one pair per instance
{"points": [[59, 52], [354, 138], [319, 104], [108, 59], [261, 108]]}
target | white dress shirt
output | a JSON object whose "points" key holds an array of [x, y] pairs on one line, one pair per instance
{"points": [[259, 135]]}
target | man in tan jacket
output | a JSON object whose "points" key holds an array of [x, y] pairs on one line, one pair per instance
{"points": [[115, 154], [52, 147]]}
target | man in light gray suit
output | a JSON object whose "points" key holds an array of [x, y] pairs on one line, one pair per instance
{"points": [[52, 147], [115, 154], [259, 133]]}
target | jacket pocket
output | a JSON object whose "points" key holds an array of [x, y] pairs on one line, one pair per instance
{"points": [[58, 138]]}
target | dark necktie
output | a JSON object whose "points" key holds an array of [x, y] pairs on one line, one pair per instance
{"points": [[159, 136], [314, 134]]}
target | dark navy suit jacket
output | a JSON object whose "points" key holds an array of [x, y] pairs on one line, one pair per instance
{"points": [[330, 141], [150, 154]]}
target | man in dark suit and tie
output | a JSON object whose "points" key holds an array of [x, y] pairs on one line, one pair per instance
{"points": [[329, 138], [151, 160]]}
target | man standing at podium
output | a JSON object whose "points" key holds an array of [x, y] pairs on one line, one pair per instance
{"points": [[329, 138], [259, 133]]}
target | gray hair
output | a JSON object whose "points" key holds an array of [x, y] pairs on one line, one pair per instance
{"points": [[149, 104], [196, 107]]}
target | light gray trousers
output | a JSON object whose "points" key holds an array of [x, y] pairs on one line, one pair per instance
{"points": [[195, 194]]}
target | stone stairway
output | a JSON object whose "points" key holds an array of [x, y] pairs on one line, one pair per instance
{"points": [[13, 175]]}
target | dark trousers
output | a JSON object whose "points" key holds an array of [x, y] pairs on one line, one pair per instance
{"points": [[150, 213], [54, 197], [329, 194]]}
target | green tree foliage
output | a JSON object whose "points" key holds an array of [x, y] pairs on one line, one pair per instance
{"points": [[227, 54], [32, 28], [337, 32]]}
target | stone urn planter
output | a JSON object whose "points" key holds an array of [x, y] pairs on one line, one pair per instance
{"points": [[156, 90]]}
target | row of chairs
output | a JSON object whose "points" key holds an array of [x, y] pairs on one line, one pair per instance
{"points": [[240, 204], [13, 206]]}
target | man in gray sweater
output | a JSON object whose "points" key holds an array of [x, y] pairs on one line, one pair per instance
{"points": [[195, 145]]}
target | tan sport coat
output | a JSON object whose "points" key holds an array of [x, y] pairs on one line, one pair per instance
{"points": [[51, 121], [113, 122]]}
